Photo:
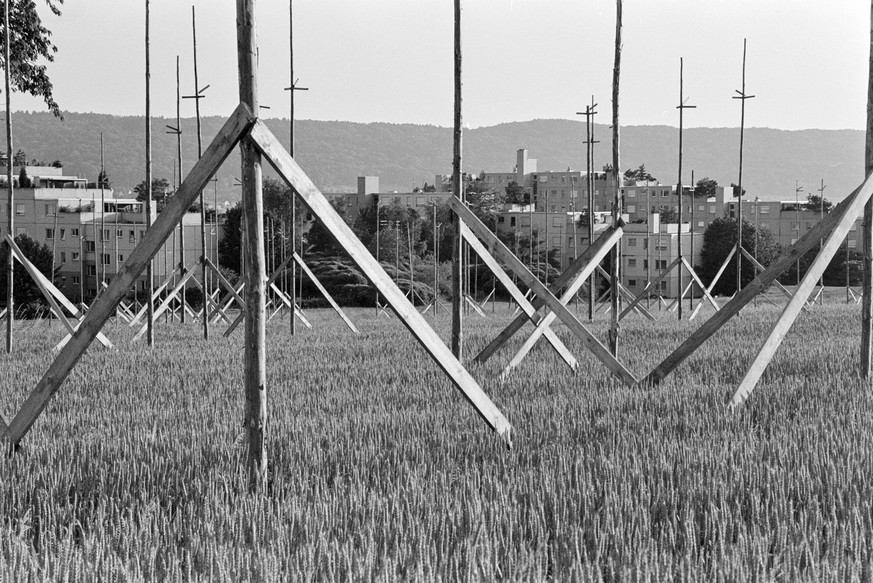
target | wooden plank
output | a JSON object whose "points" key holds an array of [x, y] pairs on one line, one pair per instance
{"points": [[757, 265], [154, 238], [600, 247], [157, 292], [843, 215], [324, 292], [406, 312], [475, 306], [569, 293], [792, 310], [499, 250], [648, 289], [515, 293]]}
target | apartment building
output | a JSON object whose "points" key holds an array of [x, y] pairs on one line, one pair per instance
{"points": [[91, 232]]}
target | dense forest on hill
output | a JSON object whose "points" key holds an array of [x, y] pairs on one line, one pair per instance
{"points": [[334, 153]]}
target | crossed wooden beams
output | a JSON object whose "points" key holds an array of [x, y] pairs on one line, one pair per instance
{"points": [[243, 125]]}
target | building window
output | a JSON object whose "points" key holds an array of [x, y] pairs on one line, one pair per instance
{"points": [[511, 221], [49, 233], [90, 270], [119, 234], [90, 246], [632, 242], [74, 232], [132, 236], [75, 279], [660, 264], [556, 242], [106, 235], [120, 258], [75, 255], [700, 224], [19, 231], [63, 234], [646, 243], [63, 256], [701, 207], [853, 243], [631, 261], [19, 209], [107, 259], [663, 285], [645, 263], [49, 210], [712, 209], [142, 285], [764, 210], [500, 220], [632, 283], [631, 208], [556, 222], [569, 242]]}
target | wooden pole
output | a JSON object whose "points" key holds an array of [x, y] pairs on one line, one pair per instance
{"points": [[255, 274], [148, 204], [742, 97], [102, 217], [181, 264], [867, 228], [458, 188], [679, 191], [590, 178], [10, 190], [615, 254], [293, 234], [197, 97]]}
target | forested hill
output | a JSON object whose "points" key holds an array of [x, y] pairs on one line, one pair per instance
{"points": [[334, 153]]}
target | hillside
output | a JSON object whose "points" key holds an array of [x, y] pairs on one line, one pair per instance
{"points": [[334, 153]]}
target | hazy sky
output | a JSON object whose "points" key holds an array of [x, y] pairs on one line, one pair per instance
{"points": [[391, 60]]}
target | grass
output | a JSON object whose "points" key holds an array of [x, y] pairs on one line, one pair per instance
{"points": [[380, 471]]}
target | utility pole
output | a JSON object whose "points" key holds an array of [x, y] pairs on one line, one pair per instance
{"points": [[102, 179], [679, 192], [293, 230], [10, 191], [797, 191], [821, 190], [589, 181], [198, 95], [867, 228], [458, 188], [741, 95], [150, 334], [617, 205]]}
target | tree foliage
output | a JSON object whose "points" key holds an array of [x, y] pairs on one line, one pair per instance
{"points": [[705, 187], [718, 240], [29, 301], [30, 47], [160, 187], [816, 202]]}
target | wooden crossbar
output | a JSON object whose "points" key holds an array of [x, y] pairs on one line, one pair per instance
{"points": [[156, 294], [515, 293], [502, 252], [600, 247], [714, 281], [103, 308], [325, 293], [839, 220], [758, 267], [286, 167], [180, 285], [623, 292], [647, 290]]}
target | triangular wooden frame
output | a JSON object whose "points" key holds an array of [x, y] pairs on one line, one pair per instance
{"points": [[244, 125]]}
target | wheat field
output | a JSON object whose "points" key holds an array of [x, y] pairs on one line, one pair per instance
{"points": [[380, 471]]}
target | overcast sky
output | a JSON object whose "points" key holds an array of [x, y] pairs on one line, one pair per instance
{"points": [[391, 60]]}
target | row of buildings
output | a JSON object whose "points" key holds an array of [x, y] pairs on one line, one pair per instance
{"points": [[91, 231]]}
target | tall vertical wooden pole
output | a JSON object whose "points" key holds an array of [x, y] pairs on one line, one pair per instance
{"points": [[293, 233], [255, 274], [679, 190], [617, 205], [181, 178], [867, 226], [742, 97], [150, 334], [10, 189], [102, 217], [458, 188], [197, 96], [591, 202]]}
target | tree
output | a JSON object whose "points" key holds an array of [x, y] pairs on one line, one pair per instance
{"points": [[23, 179], [816, 202], [29, 301], [735, 189], [230, 245], [718, 240], [31, 44], [639, 174], [103, 180], [669, 215], [160, 186], [705, 188], [516, 194], [20, 158]]}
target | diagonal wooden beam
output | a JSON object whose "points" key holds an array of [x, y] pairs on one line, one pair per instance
{"points": [[838, 220], [325, 293], [699, 283], [286, 167], [544, 324], [498, 249], [599, 248], [155, 295], [54, 296], [758, 267], [793, 309], [648, 289], [173, 295], [515, 293], [627, 295], [103, 308], [714, 281]]}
